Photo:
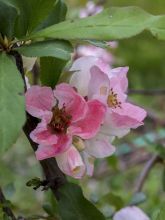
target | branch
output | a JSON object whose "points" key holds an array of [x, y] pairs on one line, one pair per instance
{"points": [[150, 92], [53, 174], [6, 209], [145, 172]]}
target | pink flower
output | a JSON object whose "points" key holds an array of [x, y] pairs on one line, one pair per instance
{"points": [[65, 116], [110, 88], [130, 213], [91, 9]]}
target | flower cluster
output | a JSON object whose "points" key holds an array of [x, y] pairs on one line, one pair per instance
{"points": [[80, 120]]}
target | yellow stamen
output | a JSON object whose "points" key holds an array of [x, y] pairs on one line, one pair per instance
{"points": [[112, 100]]}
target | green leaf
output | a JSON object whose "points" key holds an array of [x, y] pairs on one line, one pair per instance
{"points": [[51, 69], [8, 16], [59, 49], [12, 108], [57, 15], [114, 23], [23, 12], [74, 206], [40, 9]]}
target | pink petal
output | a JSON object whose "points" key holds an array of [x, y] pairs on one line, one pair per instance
{"points": [[128, 116], [89, 163], [48, 151], [118, 76], [99, 146], [91, 123], [70, 162], [74, 103], [44, 152], [63, 143], [42, 135], [39, 100], [99, 85]]}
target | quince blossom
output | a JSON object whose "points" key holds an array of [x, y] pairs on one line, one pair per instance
{"points": [[67, 120]]}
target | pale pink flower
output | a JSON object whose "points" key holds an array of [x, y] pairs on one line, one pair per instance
{"points": [[130, 213], [90, 9], [65, 118], [110, 88]]}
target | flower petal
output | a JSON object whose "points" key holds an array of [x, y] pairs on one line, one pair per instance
{"points": [[39, 100], [75, 104], [99, 85], [91, 123], [119, 76], [128, 116], [81, 76], [48, 151], [42, 135], [70, 162], [89, 163], [99, 146]]}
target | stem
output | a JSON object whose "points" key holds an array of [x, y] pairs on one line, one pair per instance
{"points": [[53, 174], [145, 172], [6, 209]]}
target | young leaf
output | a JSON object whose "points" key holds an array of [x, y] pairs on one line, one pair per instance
{"points": [[74, 206], [12, 108], [59, 49], [8, 16], [114, 23], [51, 69]]}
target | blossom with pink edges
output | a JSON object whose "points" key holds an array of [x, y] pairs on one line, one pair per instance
{"points": [[109, 87], [67, 120]]}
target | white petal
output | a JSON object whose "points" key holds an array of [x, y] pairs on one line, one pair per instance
{"points": [[99, 146]]}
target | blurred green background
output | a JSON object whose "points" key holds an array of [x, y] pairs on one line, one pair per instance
{"points": [[117, 175]]}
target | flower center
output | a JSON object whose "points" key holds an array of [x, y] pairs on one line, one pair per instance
{"points": [[60, 120], [112, 100]]}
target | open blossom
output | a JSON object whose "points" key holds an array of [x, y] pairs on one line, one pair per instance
{"points": [[67, 121], [109, 87], [130, 213]]}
